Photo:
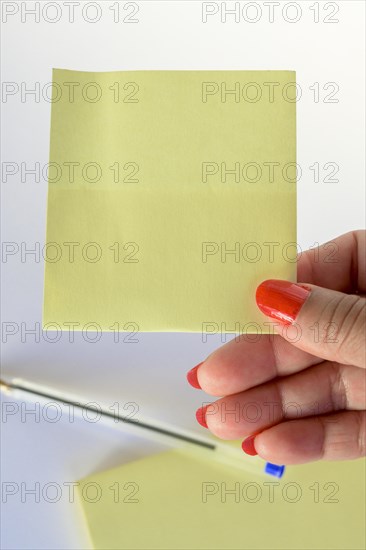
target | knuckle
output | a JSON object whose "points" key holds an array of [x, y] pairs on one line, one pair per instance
{"points": [[361, 440], [352, 337], [346, 327], [338, 389]]}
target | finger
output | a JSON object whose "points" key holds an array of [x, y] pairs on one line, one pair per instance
{"points": [[339, 264], [321, 389], [320, 321], [339, 436], [243, 363]]}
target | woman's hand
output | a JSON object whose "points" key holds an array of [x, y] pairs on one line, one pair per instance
{"points": [[299, 394]]}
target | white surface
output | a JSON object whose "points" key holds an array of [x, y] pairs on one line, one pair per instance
{"points": [[43, 460], [169, 35]]}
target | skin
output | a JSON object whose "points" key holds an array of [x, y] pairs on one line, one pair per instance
{"points": [[306, 400]]}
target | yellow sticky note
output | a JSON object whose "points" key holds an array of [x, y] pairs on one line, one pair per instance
{"points": [[172, 195], [171, 501]]}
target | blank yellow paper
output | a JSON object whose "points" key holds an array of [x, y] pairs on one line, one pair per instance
{"points": [[171, 501], [171, 197]]}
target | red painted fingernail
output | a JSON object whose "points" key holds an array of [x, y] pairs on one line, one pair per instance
{"points": [[192, 377], [281, 300], [248, 446], [201, 416]]}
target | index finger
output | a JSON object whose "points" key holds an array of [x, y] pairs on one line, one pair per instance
{"points": [[243, 363]]}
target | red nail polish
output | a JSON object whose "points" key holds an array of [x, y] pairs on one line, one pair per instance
{"points": [[281, 300], [192, 377], [248, 446], [201, 416]]}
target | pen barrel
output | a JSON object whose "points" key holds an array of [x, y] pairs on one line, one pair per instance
{"points": [[184, 441]]}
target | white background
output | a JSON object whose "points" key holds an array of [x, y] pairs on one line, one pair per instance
{"points": [[168, 35]]}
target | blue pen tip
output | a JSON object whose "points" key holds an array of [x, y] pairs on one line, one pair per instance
{"points": [[274, 469]]}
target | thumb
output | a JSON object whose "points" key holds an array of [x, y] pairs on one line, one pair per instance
{"points": [[323, 322]]}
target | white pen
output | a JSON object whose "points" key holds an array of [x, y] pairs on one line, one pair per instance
{"points": [[184, 441]]}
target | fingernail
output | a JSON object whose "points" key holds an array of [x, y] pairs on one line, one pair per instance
{"points": [[248, 446], [192, 377], [201, 416], [281, 300]]}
